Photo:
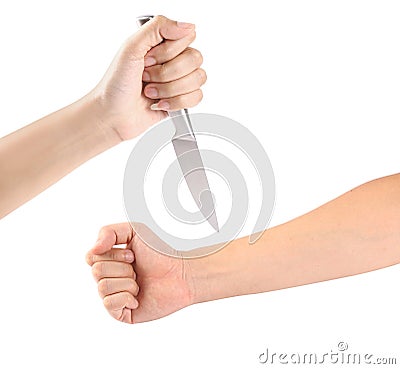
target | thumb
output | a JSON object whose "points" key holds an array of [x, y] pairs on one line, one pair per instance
{"points": [[111, 235], [154, 32]]}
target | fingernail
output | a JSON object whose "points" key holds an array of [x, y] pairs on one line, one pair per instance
{"points": [[184, 25], [149, 61], [146, 76], [162, 105], [129, 256], [151, 92]]}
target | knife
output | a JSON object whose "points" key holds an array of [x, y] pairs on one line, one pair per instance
{"points": [[189, 158]]}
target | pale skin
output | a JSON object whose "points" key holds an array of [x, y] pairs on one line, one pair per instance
{"points": [[354, 233], [117, 109]]}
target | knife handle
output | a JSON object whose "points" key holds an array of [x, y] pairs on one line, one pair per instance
{"points": [[180, 118]]}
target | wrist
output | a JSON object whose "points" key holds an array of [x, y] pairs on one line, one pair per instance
{"points": [[220, 275], [100, 118]]}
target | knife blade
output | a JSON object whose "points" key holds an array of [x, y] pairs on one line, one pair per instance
{"points": [[189, 158]]}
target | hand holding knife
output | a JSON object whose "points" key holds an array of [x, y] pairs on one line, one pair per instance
{"points": [[189, 158]]}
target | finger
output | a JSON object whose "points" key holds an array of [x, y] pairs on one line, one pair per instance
{"points": [[168, 50], [110, 286], [115, 304], [112, 269], [111, 235], [112, 255], [184, 64], [126, 316], [154, 32], [179, 102], [182, 86]]}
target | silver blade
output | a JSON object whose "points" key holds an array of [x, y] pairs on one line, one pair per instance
{"points": [[189, 158], [192, 167]]}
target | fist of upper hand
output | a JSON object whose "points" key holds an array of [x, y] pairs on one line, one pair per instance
{"points": [[159, 55]]}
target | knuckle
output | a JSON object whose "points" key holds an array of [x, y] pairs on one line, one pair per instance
{"points": [[114, 255], [162, 72], [159, 19], [108, 303], [168, 50], [196, 57], [103, 287], [154, 75], [89, 258], [197, 97], [201, 73], [126, 270], [200, 95], [97, 270], [104, 228], [180, 100], [134, 287], [169, 90]]}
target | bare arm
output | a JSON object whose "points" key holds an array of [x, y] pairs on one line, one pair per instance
{"points": [[355, 233], [38, 155]]}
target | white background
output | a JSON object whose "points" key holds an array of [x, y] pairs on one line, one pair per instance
{"points": [[316, 81]]}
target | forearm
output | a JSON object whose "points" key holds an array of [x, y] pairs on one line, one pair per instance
{"points": [[36, 156], [355, 233]]}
